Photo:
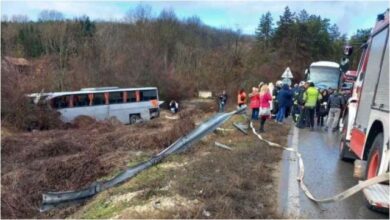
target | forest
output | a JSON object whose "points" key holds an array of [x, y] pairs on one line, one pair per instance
{"points": [[179, 56]]}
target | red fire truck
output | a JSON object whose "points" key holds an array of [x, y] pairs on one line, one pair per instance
{"points": [[365, 131]]}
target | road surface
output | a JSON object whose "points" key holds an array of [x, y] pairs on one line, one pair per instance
{"points": [[325, 176]]}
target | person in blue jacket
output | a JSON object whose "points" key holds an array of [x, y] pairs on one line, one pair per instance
{"points": [[284, 99]]}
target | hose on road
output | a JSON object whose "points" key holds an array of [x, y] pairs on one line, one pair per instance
{"points": [[341, 196]]}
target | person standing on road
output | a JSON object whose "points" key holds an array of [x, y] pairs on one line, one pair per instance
{"points": [[296, 109], [311, 96], [222, 101], [290, 104], [255, 103], [322, 109], [284, 99], [301, 120], [275, 92], [335, 103], [241, 98], [265, 106]]}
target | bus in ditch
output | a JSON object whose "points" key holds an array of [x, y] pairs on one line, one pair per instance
{"points": [[324, 74], [128, 105]]}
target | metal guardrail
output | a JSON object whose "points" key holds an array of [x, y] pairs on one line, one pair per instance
{"points": [[52, 199]]}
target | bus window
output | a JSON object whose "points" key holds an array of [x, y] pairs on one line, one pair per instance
{"points": [[80, 100], [98, 99], [116, 97], [131, 96], [60, 102], [147, 95]]}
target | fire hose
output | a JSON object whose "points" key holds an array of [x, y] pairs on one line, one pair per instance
{"points": [[52, 199], [341, 196]]}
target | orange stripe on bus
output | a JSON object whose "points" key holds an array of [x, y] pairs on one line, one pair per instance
{"points": [[137, 96], [154, 103]]}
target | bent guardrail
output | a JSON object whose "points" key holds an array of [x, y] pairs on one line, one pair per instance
{"points": [[52, 199]]}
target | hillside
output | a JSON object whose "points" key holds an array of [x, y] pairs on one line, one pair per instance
{"points": [[180, 56]]}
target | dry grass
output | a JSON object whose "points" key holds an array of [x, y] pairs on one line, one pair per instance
{"points": [[204, 182], [57, 160], [213, 182], [233, 184]]}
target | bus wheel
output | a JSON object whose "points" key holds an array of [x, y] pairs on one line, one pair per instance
{"points": [[133, 119], [374, 157], [343, 148]]}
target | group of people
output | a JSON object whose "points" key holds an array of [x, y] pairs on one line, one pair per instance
{"points": [[304, 102], [307, 102], [259, 101]]}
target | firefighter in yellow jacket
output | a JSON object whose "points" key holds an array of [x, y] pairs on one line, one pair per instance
{"points": [[310, 97]]}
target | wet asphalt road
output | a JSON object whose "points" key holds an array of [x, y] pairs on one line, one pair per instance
{"points": [[325, 176]]}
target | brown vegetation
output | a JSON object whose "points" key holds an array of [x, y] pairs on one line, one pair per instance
{"points": [[204, 182], [58, 160], [234, 184]]}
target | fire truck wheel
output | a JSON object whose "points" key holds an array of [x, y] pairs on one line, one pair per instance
{"points": [[374, 157], [343, 148]]}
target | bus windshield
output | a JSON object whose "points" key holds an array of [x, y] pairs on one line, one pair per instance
{"points": [[325, 77]]}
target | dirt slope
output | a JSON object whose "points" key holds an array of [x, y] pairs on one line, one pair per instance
{"points": [[54, 160], [204, 182]]}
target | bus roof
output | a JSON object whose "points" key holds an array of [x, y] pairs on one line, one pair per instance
{"points": [[325, 64], [89, 90]]}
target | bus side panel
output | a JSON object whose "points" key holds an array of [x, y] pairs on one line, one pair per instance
{"points": [[145, 115], [66, 115], [98, 112], [358, 138], [123, 111]]}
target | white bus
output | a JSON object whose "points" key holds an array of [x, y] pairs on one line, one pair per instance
{"points": [[128, 105], [324, 74]]}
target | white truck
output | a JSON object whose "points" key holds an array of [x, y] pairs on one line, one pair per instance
{"points": [[365, 130]]}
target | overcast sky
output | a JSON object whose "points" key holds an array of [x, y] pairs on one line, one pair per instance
{"points": [[348, 15]]}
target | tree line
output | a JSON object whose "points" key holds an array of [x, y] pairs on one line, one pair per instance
{"points": [[180, 56]]}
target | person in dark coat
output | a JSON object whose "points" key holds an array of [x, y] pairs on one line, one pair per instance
{"points": [[322, 109], [222, 101], [296, 109], [275, 92], [284, 100], [290, 105], [301, 119]]}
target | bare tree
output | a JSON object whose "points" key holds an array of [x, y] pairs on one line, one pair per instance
{"points": [[4, 18], [140, 14], [19, 18], [50, 15]]}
